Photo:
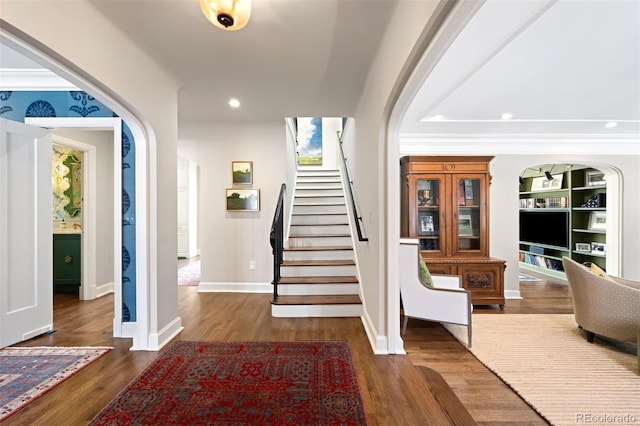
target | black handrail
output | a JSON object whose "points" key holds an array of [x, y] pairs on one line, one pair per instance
{"points": [[276, 239], [353, 201]]}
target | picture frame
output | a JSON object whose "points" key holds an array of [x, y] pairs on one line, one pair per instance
{"points": [[242, 172], [598, 248], [464, 225], [598, 221], [583, 247], [541, 183], [594, 178], [428, 223], [247, 200]]}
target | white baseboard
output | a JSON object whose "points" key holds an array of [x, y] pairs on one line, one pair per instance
{"points": [[128, 329], [205, 287], [164, 336], [378, 343], [512, 294], [103, 290]]}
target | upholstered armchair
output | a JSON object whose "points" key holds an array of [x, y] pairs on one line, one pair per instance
{"points": [[445, 302], [603, 305]]}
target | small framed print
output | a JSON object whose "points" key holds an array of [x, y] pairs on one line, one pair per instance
{"points": [[594, 178], [243, 199], [583, 247], [242, 172], [598, 221], [464, 225], [598, 248], [541, 183], [428, 223]]}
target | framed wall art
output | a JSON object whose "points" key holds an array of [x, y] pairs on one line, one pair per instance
{"points": [[243, 199], [242, 172]]}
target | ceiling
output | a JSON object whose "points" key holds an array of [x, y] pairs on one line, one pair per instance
{"points": [[559, 67]]}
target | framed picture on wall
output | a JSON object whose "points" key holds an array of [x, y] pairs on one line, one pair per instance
{"points": [[243, 199], [242, 172]]}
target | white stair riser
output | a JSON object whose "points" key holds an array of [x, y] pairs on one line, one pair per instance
{"points": [[319, 255], [310, 311], [320, 180], [306, 173], [306, 199], [319, 241], [317, 271], [331, 208], [319, 230], [319, 219], [316, 186], [316, 289], [319, 193]]}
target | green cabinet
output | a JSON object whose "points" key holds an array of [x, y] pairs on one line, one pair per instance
{"points": [[66, 263]]}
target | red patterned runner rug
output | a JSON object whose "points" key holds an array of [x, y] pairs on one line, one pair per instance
{"points": [[243, 383], [26, 373]]}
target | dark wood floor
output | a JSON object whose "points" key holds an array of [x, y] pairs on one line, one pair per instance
{"points": [[438, 383]]}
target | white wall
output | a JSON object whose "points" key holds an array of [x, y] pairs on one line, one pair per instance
{"points": [[103, 141], [367, 158], [230, 240], [143, 92]]}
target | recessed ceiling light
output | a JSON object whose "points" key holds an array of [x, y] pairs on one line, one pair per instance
{"points": [[234, 103], [437, 117], [506, 116], [610, 124]]}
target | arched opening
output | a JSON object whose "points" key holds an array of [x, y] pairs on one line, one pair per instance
{"points": [[143, 139], [570, 210]]}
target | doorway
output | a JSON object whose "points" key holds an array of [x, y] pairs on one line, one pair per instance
{"points": [[76, 127]]}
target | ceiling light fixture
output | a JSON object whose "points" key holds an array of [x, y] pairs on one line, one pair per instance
{"points": [[234, 103], [229, 15], [610, 124], [506, 116]]}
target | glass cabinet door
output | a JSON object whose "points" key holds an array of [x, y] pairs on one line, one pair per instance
{"points": [[428, 218], [469, 214]]}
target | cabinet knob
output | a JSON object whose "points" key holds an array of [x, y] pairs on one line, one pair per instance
{"points": [[68, 259]]}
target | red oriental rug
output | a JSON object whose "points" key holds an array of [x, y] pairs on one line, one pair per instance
{"points": [[243, 383], [28, 372]]}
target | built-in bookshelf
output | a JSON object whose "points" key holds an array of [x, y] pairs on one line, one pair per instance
{"points": [[562, 216]]}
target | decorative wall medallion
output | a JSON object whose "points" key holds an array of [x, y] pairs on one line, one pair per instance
{"points": [[40, 109], [83, 110]]}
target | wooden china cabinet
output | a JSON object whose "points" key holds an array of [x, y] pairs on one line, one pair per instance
{"points": [[445, 205]]}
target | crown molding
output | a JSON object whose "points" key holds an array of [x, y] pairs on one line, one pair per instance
{"points": [[494, 144], [32, 80]]}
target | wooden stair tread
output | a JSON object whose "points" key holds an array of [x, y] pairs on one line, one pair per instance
{"points": [[328, 262], [348, 279], [342, 299], [318, 248]]}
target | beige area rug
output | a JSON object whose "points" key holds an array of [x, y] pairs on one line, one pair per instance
{"points": [[548, 362]]}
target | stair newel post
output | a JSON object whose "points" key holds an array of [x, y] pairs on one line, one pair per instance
{"points": [[276, 238]]}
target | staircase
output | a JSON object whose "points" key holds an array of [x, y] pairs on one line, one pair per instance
{"points": [[318, 272]]}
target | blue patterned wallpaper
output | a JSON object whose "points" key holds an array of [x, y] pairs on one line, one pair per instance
{"points": [[18, 105]]}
